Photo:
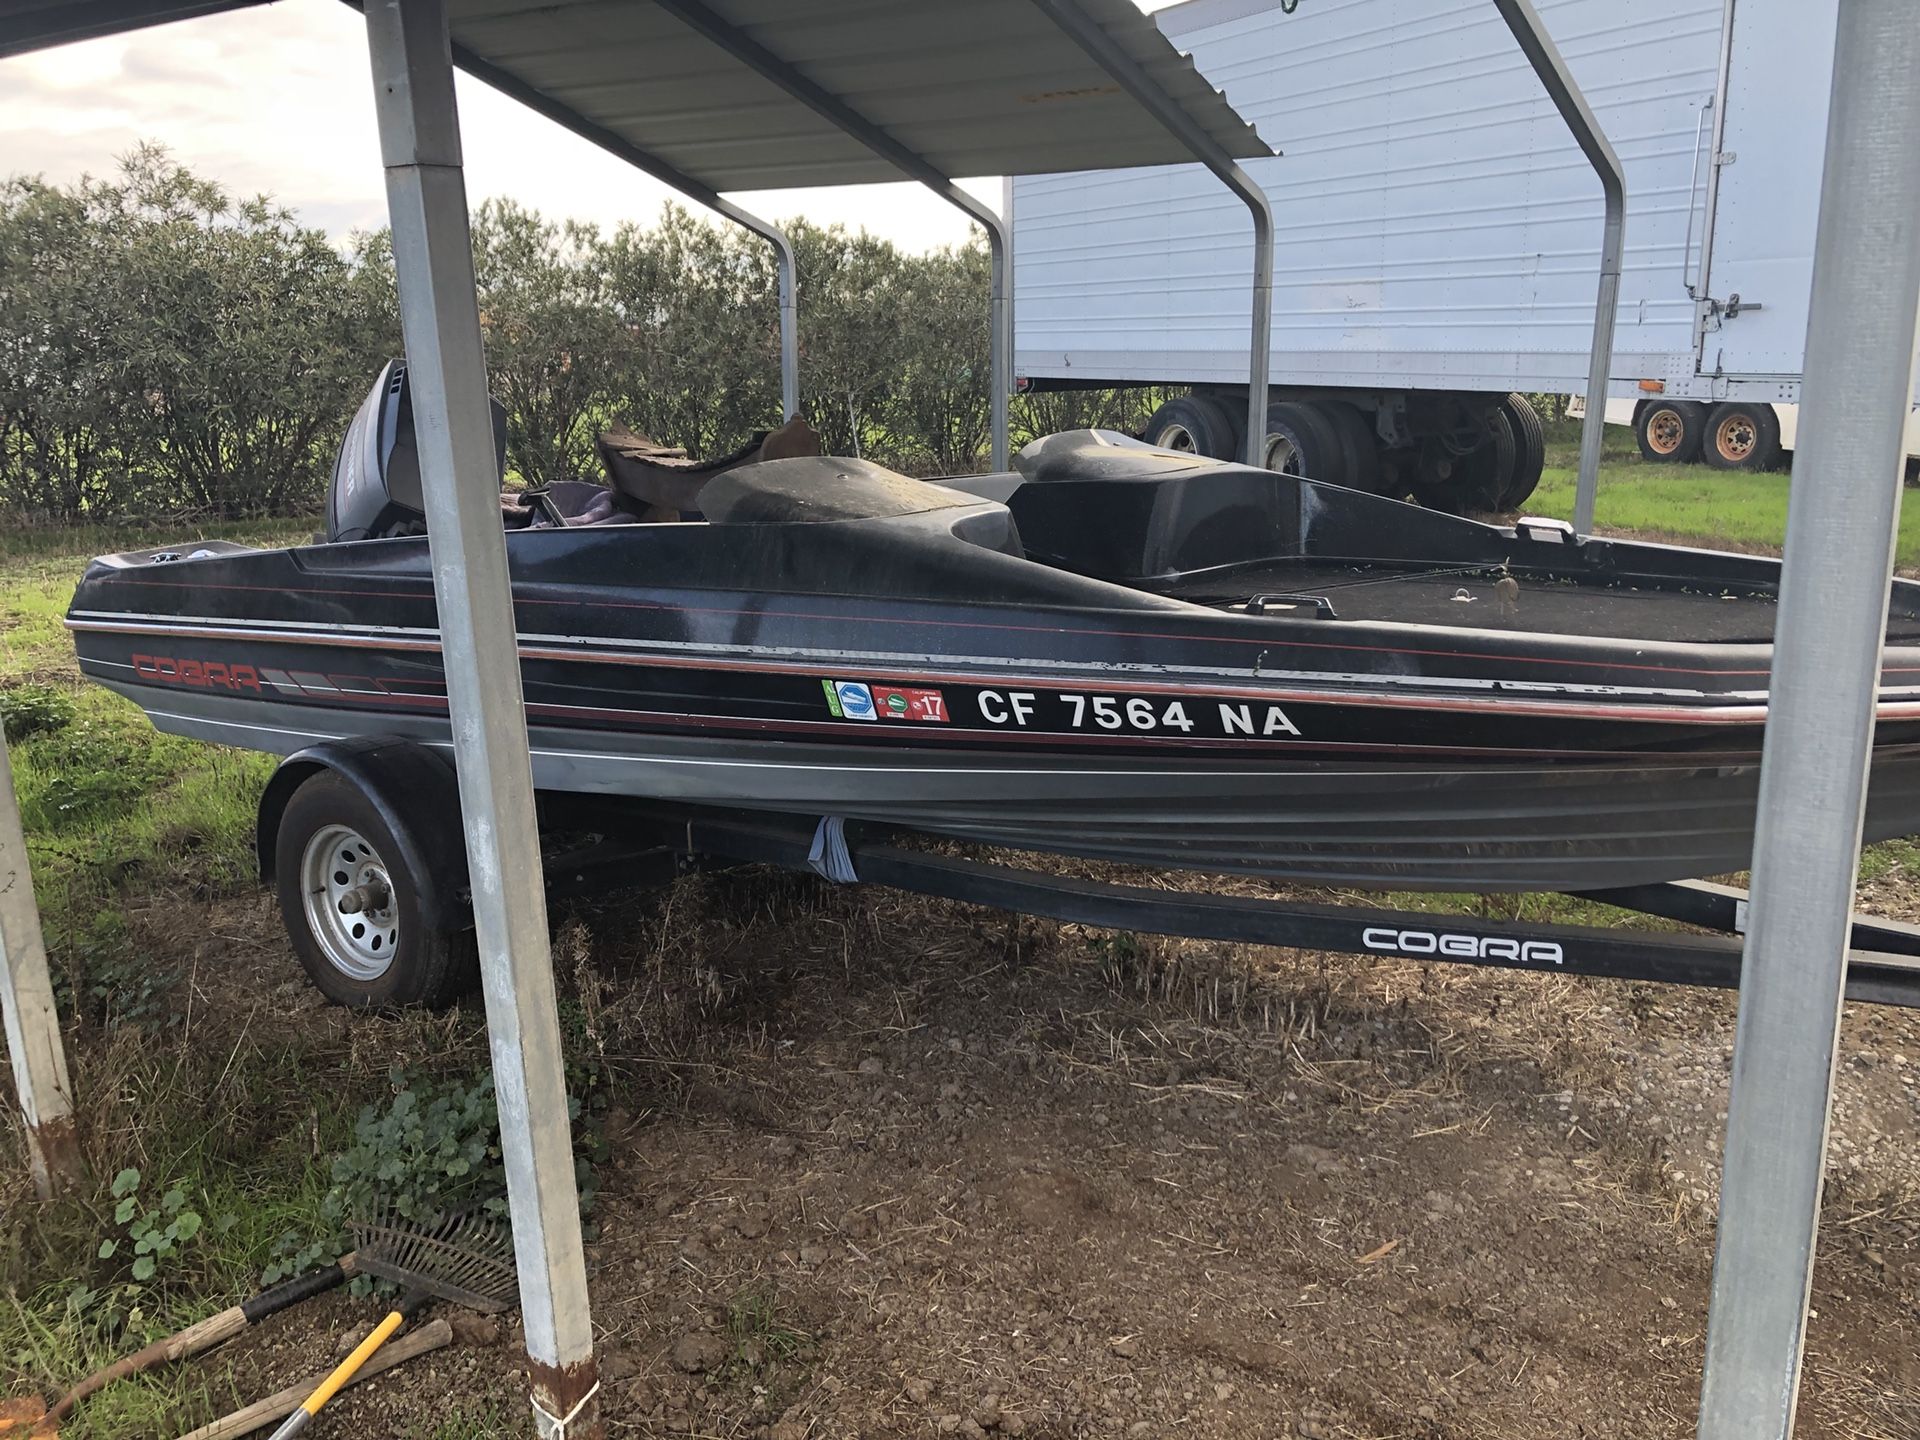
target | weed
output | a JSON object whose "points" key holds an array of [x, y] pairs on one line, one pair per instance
{"points": [[433, 1148], [766, 1352], [27, 710], [156, 1233]]}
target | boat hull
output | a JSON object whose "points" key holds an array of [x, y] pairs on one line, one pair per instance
{"points": [[1381, 824]]}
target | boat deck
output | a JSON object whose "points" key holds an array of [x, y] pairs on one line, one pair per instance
{"points": [[1474, 600]]}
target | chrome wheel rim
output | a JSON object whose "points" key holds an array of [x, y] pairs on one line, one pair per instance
{"points": [[1282, 454], [1176, 436], [350, 906]]}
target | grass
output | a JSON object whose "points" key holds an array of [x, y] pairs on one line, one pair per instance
{"points": [[110, 804], [120, 820], [1685, 504]]}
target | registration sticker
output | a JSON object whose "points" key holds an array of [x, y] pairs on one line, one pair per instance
{"points": [[849, 699], [924, 705]]}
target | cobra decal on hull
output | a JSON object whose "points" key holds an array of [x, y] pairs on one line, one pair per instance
{"points": [[202, 674]]}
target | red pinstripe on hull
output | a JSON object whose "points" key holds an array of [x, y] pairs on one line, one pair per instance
{"points": [[1708, 713]]}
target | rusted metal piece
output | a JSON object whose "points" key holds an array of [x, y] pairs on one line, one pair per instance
{"points": [[566, 1400], [53, 1151]]}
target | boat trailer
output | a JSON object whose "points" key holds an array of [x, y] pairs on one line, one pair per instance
{"points": [[652, 845]]}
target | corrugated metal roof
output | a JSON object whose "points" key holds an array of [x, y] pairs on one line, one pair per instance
{"points": [[35, 24], [974, 87]]}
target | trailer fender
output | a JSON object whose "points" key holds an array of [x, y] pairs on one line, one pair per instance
{"points": [[416, 793]]}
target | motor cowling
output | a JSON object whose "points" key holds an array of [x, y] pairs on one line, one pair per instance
{"points": [[375, 493]]}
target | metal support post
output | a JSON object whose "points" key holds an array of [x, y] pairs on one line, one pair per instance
{"points": [[830, 107], [1127, 73], [433, 260], [1843, 505], [1547, 63], [789, 269], [26, 1005], [706, 196], [999, 331]]}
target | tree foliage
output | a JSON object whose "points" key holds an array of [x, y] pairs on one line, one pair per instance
{"points": [[168, 349]]}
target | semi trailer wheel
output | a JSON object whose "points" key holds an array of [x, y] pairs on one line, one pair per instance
{"points": [[1741, 436], [1670, 430], [1195, 425], [1361, 467], [351, 896], [1302, 441], [1474, 482], [1529, 451]]}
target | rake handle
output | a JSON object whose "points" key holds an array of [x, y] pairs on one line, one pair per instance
{"points": [[204, 1336]]}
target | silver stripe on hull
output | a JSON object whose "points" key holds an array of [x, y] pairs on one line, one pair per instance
{"points": [[1495, 827]]}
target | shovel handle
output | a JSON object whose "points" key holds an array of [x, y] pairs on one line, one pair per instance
{"points": [[341, 1377]]}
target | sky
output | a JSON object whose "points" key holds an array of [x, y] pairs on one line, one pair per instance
{"points": [[276, 99]]}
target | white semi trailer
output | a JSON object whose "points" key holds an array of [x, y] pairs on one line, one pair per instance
{"points": [[1438, 235]]}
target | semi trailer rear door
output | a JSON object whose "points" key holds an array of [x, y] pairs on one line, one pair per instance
{"points": [[1772, 144]]}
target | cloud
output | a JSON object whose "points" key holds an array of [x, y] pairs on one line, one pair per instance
{"points": [[277, 99]]}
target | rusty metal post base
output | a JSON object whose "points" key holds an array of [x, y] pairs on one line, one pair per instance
{"points": [[566, 1401], [53, 1157]]}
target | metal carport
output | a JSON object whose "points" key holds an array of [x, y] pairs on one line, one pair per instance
{"points": [[768, 94], [1833, 603]]}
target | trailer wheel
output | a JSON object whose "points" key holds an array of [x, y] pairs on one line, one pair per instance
{"points": [[1670, 431], [1195, 425], [1740, 436], [352, 907], [1361, 467], [1302, 441], [1529, 451], [1471, 483]]}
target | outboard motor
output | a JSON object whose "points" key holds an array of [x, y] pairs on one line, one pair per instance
{"points": [[376, 477]]}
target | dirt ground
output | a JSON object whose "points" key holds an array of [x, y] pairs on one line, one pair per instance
{"points": [[880, 1166]]}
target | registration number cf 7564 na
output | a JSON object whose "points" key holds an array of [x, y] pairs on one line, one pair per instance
{"points": [[1060, 710]]}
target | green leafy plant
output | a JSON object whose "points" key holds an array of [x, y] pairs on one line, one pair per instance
{"points": [[431, 1149], [155, 1234], [29, 710]]}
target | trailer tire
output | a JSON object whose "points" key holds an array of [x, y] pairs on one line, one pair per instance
{"points": [[1302, 440], [1529, 451], [1741, 436], [1195, 425], [1670, 431], [353, 905], [1476, 482], [1360, 462]]}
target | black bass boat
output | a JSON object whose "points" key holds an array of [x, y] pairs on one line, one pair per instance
{"points": [[1113, 651]]}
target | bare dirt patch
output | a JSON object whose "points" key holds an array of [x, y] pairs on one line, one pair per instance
{"points": [[882, 1166]]}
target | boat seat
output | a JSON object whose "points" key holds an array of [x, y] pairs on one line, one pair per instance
{"points": [[1104, 455], [812, 488], [824, 489], [664, 484]]}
